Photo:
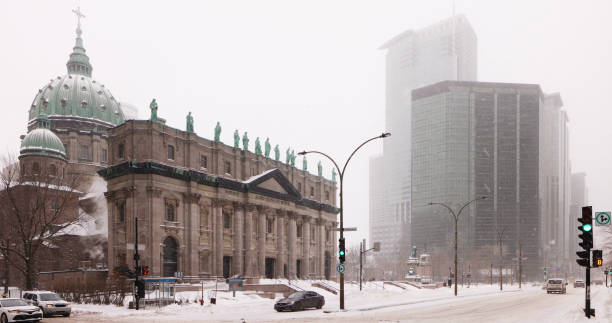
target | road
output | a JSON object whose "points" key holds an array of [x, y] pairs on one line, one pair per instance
{"points": [[532, 305]]}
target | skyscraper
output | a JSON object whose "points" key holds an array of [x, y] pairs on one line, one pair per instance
{"points": [[443, 51], [474, 139]]}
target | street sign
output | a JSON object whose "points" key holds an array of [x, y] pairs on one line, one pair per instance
{"points": [[347, 229], [340, 268], [602, 218]]}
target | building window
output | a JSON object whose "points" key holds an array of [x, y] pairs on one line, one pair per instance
{"points": [[121, 211], [121, 150], [84, 152], [203, 161], [228, 167], [327, 195], [300, 187], [36, 168], [227, 221], [313, 236], [67, 152], [104, 156], [52, 170], [312, 191], [170, 152], [170, 212], [327, 235], [269, 225], [298, 230]]}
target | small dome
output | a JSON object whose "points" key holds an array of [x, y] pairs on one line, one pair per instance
{"points": [[43, 142]]}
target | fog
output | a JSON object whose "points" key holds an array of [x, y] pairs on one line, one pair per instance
{"points": [[307, 74]]}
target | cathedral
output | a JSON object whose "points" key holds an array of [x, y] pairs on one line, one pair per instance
{"points": [[199, 207]]}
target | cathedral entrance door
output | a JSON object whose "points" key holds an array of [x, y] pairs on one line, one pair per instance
{"points": [[170, 257], [227, 266], [270, 263]]}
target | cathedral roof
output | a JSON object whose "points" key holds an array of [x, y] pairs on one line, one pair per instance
{"points": [[77, 94], [42, 141]]}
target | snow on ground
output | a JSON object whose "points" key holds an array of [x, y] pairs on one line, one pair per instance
{"points": [[247, 306]]}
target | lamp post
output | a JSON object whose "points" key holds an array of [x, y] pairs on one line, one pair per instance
{"points": [[341, 175], [456, 218]]}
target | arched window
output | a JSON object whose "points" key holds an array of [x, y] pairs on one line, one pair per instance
{"points": [[52, 170], [170, 257], [170, 212], [36, 168], [121, 211], [121, 151], [170, 152]]}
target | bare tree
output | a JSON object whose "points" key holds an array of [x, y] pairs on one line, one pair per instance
{"points": [[34, 208]]}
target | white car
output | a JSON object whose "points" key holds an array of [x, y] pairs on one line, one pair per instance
{"points": [[555, 285], [49, 302], [16, 310]]}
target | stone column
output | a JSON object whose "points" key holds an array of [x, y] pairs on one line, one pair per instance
{"points": [[280, 245], [322, 243], [306, 247], [155, 210], [261, 242], [218, 249], [238, 238], [192, 230], [110, 223], [248, 240], [291, 248]]}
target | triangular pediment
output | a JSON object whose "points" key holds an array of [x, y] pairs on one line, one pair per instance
{"points": [[273, 183]]}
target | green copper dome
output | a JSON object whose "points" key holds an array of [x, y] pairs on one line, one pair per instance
{"points": [[42, 142], [77, 95]]}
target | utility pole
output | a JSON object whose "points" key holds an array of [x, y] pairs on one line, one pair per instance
{"points": [[360, 263], [520, 265], [491, 278], [136, 258], [7, 273], [501, 259]]}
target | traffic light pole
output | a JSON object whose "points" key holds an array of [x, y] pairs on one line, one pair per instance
{"points": [[136, 258], [341, 175], [587, 291]]}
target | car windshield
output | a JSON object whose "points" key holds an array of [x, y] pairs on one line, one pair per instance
{"points": [[50, 297], [296, 295], [12, 302], [555, 281]]}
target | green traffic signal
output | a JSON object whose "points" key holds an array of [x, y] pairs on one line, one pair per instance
{"points": [[341, 252], [587, 227]]}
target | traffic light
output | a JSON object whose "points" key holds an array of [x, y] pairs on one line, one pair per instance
{"points": [[341, 250], [597, 258], [145, 270], [586, 229]]}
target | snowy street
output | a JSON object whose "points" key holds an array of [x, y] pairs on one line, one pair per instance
{"points": [[478, 304]]}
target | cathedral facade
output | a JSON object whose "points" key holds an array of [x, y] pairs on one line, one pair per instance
{"points": [[208, 209]]}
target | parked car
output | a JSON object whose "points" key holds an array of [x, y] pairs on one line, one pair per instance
{"points": [[300, 301], [578, 283], [49, 302], [555, 285], [16, 310]]}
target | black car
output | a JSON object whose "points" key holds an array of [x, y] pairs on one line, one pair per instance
{"points": [[300, 301]]}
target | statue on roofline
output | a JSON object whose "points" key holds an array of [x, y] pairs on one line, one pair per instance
{"points": [[320, 169], [153, 107], [218, 132], [189, 122], [334, 174], [267, 147], [236, 139], [304, 164], [245, 141], [276, 153], [257, 146], [293, 158]]}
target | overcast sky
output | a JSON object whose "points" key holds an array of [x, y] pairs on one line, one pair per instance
{"points": [[307, 74]]}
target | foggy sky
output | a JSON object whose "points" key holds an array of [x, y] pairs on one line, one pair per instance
{"points": [[308, 74]]}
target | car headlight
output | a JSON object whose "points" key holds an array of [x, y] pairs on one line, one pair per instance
{"points": [[14, 311], [49, 305], [67, 305]]}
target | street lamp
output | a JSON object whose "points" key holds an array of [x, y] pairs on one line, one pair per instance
{"points": [[341, 175], [456, 218]]}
